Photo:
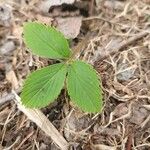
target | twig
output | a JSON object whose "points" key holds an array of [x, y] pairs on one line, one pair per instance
{"points": [[122, 45], [91, 7], [132, 39], [41, 121], [145, 122], [24, 140], [129, 142]]}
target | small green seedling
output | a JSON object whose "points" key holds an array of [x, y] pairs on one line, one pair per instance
{"points": [[43, 86]]}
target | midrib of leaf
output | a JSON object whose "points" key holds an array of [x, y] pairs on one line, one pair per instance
{"points": [[83, 81], [53, 39], [47, 44], [85, 92], [38, 82], [45, 84], [84, 86]]}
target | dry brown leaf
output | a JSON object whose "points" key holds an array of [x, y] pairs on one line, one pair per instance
{"points": [[121, 110], [70, 26], [44, 19], [114, 4], [138, 114], [46, 5]]}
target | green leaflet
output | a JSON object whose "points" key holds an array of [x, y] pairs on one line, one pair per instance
{"points": [[84, 87], [45, 41], [43, 86]]}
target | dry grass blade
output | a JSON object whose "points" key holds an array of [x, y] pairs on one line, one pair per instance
{"points": [[102, 147], [24, 140], [41, 121], [124, 43]]}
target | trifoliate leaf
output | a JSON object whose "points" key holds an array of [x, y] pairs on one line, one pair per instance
{"points": [[45, 41], [84, 87], [43, 86]]}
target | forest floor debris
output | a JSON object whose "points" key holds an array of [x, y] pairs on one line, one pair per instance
{"points": [[114, 36]]}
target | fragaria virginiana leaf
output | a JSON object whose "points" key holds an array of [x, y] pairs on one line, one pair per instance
{"points": [[43, 86], [84, 87], [45, 41]]}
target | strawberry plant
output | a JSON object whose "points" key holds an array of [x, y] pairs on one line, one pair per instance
{"points": [[44, 85]]}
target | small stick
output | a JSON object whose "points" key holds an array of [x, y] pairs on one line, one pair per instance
{"points": [[41, 121], [123, 44], [145, 122], [91, 7], [24, 140], [129, 143], [130, 137], [131, 40]]}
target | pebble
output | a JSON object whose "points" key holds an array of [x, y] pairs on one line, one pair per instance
{"points": [[7, 48], [5, 15]]}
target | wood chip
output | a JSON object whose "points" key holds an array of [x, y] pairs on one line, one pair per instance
{"points": [[70, 26]]}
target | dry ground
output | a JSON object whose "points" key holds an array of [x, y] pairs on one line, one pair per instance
{"points": [[115, 38]]}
